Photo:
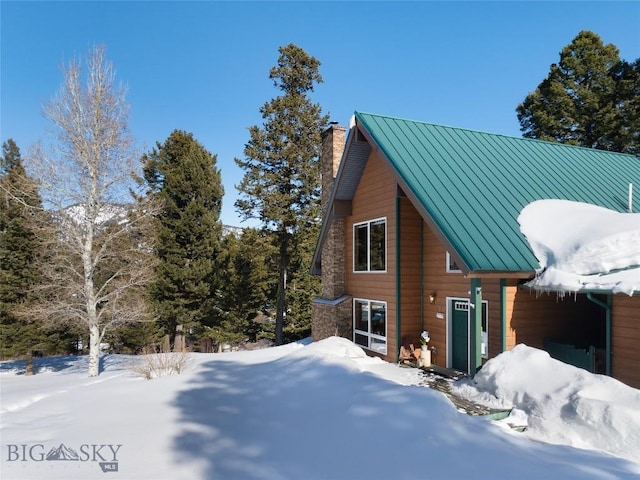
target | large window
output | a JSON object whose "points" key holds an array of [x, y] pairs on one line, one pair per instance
{"points": [[370, 246], [370, 324]]}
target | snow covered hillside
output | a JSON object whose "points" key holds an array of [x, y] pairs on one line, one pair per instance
{"points": [[316, 411]]}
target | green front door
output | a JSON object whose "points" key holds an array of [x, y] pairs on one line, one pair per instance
{"points": [[460, 334]]}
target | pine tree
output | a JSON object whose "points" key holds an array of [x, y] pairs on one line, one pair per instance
{"points": [[586, 99], [281, 184], [248, 281], [135, 338], [303, 287], [19, 248], [626, 131], [182, 175]]}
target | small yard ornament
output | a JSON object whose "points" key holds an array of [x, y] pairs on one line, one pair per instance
{"points": [[425, 354]]}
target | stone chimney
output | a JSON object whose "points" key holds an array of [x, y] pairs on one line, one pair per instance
{"points": [[333, 139], [333, 249], [332, 311]]}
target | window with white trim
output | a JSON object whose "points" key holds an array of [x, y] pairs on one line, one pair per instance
{"points": [[452, 266], [370, 246], [370, 324]]}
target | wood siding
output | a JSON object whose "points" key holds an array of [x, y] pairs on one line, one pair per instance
{"points": [[530, 317], [453, 285], [411, 297], [511, 287], [534, 316], [375, 198], [625, 339], [443, 284]]}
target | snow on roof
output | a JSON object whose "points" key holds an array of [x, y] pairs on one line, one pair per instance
{"points": [[582, 247]]}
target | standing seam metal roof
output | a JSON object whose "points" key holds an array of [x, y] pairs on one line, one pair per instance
{"points": [[473, 185]]}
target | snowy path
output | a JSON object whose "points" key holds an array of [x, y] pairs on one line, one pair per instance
{"points": [[18, 403]]}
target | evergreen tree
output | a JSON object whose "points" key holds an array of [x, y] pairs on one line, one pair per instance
{"points": [[135, 338], [249, 280], [281, 184], [19, 248], [182, 175], [303, 287], [586, 99], [626, 131]]}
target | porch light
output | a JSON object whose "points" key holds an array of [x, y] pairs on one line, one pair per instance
{"points": [[432, 298]]}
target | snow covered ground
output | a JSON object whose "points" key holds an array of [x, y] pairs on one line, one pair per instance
{"points": [[316, 411]]}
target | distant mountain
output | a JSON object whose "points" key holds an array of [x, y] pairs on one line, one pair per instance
{"points": [[107, 213], [62, 453], [118, 213], [229, 230]]}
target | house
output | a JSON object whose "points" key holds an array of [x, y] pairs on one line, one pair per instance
{"points": [[420, 232]]}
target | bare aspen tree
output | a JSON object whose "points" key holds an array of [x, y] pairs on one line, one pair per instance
{"points": [[97, 260]]}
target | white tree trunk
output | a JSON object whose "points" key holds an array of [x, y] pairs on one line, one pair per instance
{"points": [[94, 350], [89, 286]]}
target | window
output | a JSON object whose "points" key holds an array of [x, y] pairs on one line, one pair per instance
{"points": [[452, 266], [370, 325], [370, 246]]}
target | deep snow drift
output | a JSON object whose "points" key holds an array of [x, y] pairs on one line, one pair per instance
{"points": [[319, 411], [560, 403], [582, 246]]}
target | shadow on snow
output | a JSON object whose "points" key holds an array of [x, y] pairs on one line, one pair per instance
{"points": [[302, 418]]}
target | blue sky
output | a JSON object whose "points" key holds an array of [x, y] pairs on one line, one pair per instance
{"points": [[203, 66]]}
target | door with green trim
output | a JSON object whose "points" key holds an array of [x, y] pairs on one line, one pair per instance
{"points": [[460, 335]]}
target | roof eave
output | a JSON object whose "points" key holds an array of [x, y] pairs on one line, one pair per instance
{"points": [[514, 274]]}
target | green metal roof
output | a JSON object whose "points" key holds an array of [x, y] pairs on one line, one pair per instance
{"points": [[473, 185]]}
